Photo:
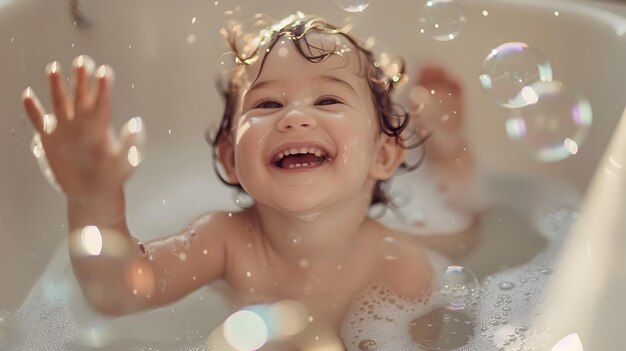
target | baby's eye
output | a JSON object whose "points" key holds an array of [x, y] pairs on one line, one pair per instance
{"points": [[327, 101], [269, 104]]}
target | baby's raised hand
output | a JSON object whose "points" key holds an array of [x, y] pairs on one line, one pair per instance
{"points": [[84, 155]]}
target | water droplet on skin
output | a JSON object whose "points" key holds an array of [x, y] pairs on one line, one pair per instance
{"points": [[367, 345], [294, 239], [389, 248], [304, 263], [186, 243], [162, 285]]}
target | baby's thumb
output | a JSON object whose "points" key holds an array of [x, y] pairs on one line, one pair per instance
{"points": [[132, 141]]}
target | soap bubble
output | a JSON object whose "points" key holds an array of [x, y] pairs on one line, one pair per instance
{"points": [[458, 287], [227, 62], [509, 68], [554, 124], [353, 5], [442, 19]]}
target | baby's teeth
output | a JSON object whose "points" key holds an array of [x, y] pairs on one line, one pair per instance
{"points": [[318, 152], [294, 151], [286, 152], [303, 150], [291, 166]]}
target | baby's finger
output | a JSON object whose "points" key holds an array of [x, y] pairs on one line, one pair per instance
{"points": [[83, 66], [33, 109], [57, 89], [104, 74]]}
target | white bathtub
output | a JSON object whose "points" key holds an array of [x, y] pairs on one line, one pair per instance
{"points": [[165, 66]]}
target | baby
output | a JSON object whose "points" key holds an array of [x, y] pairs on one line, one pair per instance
{"points": [[309, 131]]}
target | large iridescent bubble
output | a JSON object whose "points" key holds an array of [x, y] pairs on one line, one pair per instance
{"points": [[509, 68], [554, 123]]}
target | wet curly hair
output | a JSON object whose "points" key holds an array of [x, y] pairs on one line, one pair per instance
{"points": [[250, 47]]}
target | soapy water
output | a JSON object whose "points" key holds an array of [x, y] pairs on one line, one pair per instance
{"points": [[55, 316]]}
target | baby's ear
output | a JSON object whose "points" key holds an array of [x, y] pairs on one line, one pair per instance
{"points": [[389, 155], [226, 158]]}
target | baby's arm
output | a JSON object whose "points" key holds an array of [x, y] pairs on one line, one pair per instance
{"points": [[118, 275]]}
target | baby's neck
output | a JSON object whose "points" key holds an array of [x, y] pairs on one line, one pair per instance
{"points": [[317, 238]]}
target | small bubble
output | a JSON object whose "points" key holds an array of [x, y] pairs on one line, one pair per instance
{"points": [[191, 38], [182, 256], [353, 5], [248, 274], [485, 13], [205, 252], [367, 345], [507, 285], [545, 271], [162, 285], [442, 19], [193, 20], [186, 243]]}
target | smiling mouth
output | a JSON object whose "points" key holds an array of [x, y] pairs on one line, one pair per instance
{"points": [[301, 157]]}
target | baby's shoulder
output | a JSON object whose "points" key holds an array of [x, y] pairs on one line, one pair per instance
{"points": [[227, 226], [403, 265]]}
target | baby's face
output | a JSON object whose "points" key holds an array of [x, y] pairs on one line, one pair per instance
{"points": [[306, 134]]}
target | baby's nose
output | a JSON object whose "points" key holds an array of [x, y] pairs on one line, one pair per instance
{"points": [[296, 119]]}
